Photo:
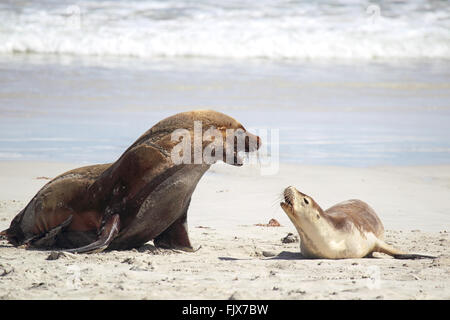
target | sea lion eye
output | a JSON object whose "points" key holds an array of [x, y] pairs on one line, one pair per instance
{"points": [[306, 200]]}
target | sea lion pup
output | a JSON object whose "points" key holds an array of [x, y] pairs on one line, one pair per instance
{"points": [[350, 229], [144, 195]]}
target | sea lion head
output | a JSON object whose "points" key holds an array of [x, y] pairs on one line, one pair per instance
{"points": [[213, 135], [300, 208]]}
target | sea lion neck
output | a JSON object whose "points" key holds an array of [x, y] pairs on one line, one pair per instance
{"points": [[128, 172]]}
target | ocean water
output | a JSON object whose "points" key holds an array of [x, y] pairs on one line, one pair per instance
{"points": [[85, 111], [353, 83], [271, 29]]}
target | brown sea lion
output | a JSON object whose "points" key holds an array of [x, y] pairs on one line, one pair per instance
{"points": [[350, 229], [144, 195]]}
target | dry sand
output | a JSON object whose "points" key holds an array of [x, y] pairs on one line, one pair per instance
{"points": [[238, 259]]}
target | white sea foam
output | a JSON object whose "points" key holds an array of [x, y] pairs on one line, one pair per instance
{"points": [[228, 29]]}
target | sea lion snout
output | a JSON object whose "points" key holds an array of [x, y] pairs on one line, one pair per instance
{"points": [[243, 141], [251, 141], [289, 195], [289, 200]]}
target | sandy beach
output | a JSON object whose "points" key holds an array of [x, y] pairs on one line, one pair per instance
{"points": [[237, 259]]}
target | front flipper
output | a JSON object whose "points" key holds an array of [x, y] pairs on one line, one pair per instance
{"points": [[176, 236], [108, 233]]}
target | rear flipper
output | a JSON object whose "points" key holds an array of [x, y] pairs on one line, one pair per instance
{"points": [[412, 256], [48, 240], [175, 237], [42, 240], [397, 254], [107, 235]]}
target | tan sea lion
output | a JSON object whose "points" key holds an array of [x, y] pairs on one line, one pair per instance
{"points": [[144, 195], [350, 229]]}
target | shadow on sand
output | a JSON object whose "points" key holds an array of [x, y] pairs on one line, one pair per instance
{"points": [[284, 255]]}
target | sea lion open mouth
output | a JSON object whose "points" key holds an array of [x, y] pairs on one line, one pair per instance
{"points": [[286, 207], [287, 201]]}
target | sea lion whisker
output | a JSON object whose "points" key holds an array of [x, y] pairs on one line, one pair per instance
{"points": [[277, 200]]}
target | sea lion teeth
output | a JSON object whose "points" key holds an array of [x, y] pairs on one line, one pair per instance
{"points": [[350, 229]]}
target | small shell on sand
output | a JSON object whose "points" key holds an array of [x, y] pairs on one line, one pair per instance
{"points": [[272, 223]]}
